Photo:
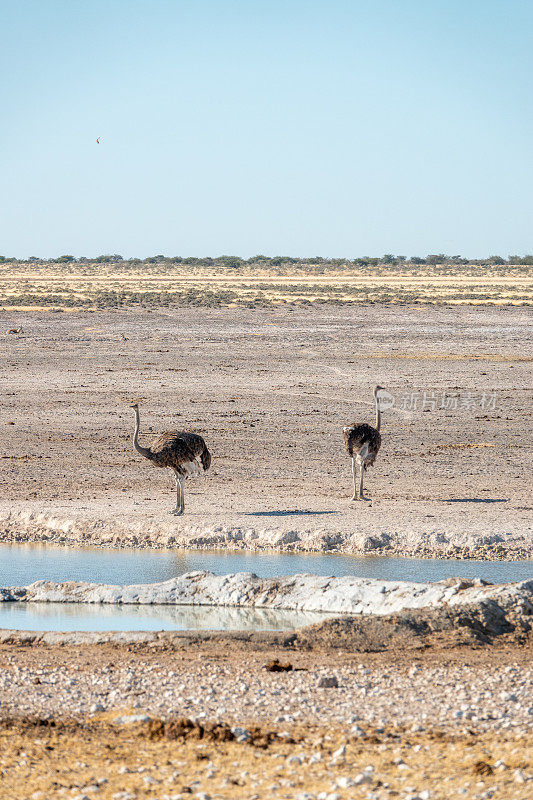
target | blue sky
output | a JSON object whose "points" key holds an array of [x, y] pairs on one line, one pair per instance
{"points": [[261, 126]]}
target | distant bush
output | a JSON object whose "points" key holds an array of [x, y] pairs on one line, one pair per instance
{"points": [[108, 259], [232, 262], [525, 261], [436, 259], [318, 265]]}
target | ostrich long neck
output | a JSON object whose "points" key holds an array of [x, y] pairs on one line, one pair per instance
{"points": [[144, 451], [378, 413]]}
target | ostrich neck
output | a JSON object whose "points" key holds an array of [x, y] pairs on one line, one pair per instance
{"points": [[144, 451], [378, 413]]}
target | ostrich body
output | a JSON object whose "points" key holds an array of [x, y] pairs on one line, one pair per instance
{"points": [[362, 443], [184, 453]]}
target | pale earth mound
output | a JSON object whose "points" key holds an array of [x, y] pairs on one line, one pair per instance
{"points": [[344, 595], [485, 609]]}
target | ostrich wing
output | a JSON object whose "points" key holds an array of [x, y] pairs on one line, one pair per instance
{"points": [[357, 435], [178, 449]]}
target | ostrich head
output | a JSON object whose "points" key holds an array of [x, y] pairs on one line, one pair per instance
{"points": [[135, 406], [377, 389]]}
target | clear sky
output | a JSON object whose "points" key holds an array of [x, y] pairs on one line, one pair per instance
{"points": [[298, 127]]}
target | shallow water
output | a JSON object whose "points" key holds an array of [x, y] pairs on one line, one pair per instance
{"points": [[87, 617], [23, 564]]}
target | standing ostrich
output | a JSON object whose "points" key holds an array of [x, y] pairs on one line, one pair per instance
{"points": [[362, 442], [185, 453]]}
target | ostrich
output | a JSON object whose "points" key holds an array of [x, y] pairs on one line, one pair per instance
{"points": [[362, 442], [185, 453]]}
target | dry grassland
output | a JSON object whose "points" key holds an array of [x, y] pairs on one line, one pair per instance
{"points": [[74, 286], [91, 757]]}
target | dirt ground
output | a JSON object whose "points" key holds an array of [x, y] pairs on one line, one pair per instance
{"points": [[55, 756], [41, 763], [270, 390]]}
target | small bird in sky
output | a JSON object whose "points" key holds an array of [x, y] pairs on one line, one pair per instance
{"points": [[98, 140]]}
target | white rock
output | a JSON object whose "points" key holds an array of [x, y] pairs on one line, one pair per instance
{"points": [[519, 776], [294, 760], [345, 782], [345, 595], [328, 682], [363, 778], [241, 734], [339, 754], [131, 719]]}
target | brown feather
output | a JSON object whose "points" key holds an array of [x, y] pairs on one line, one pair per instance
{"points": [[357, 435], [175, 449]]}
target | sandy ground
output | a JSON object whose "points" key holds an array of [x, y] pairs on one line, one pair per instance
{"points": [[433, 715], [434, 723], [270, 392]]}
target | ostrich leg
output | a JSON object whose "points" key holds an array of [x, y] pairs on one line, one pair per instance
{"points": [[361, 471], [182, 487], [361, 495], [358, 493], [179, 496], [354, 484]]}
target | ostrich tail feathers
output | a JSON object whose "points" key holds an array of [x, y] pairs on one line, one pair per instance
{"points": [[205, 458]]}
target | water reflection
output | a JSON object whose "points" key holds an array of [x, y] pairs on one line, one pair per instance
{"points": [[87, 617], [23, 564]]}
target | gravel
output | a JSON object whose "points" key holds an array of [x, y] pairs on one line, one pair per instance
{"points": [[457, 698]]}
